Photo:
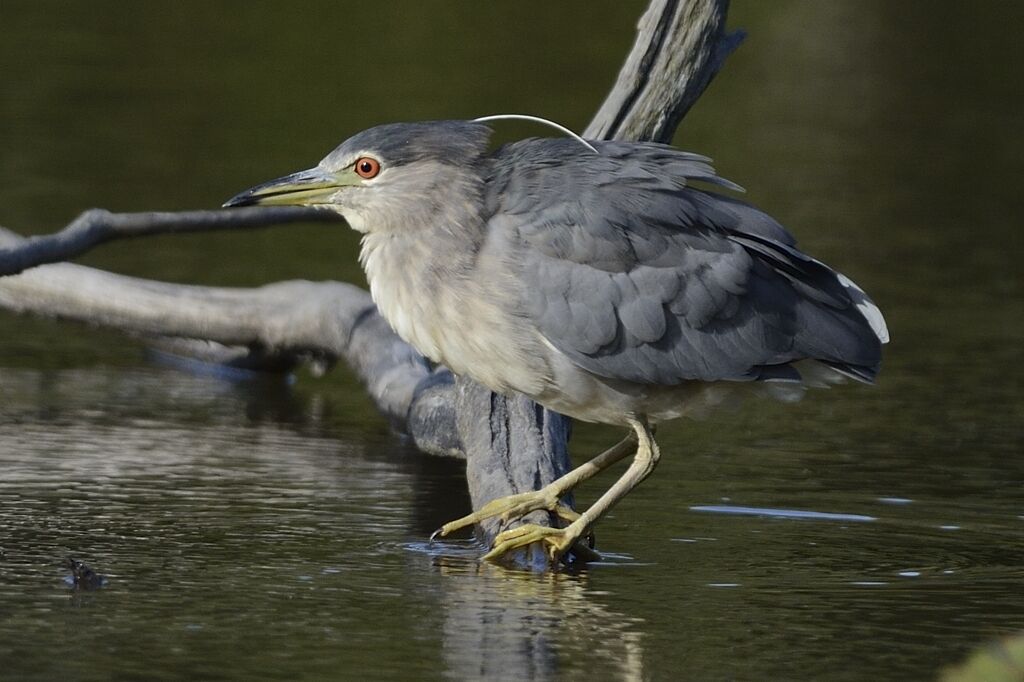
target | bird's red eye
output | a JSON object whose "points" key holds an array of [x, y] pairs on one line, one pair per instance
{"points": [[367, 168]]}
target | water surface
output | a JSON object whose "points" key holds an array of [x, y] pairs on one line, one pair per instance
{"points": [[277, 530]]}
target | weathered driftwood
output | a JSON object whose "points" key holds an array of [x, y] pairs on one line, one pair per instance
{"points": [[511, 444], [679, 48], [95, 226], [272, 327]]}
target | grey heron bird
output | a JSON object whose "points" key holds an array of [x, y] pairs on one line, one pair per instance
{"points": [[592, 276]]}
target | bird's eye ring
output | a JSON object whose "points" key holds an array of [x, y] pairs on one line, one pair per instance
{"points": [[367, 167]]}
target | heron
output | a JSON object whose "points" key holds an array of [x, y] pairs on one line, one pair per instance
{"points": [[613, 282]]}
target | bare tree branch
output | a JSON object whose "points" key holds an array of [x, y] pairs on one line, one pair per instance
{"points": [[95, 226], [278, 325], [512, 444], [680, 46]]}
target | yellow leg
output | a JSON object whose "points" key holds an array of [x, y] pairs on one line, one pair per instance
{"points": [[549, 497], [560, 540]]}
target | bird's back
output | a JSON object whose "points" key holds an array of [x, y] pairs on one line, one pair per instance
{"points": [[638, 277]]}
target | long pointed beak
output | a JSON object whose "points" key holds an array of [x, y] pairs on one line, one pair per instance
{"points": [[305, 188]]}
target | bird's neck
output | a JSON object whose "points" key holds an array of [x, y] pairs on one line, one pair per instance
{"points": [[443, 289], [418, 279]]}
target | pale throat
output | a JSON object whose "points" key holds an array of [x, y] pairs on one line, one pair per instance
{"points": [[419, 280]]}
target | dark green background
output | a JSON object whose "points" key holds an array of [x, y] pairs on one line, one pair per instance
{"points": [[257, 530]]}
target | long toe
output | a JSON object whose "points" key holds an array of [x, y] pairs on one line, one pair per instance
{"points": [[509, 509], [557, 541]]}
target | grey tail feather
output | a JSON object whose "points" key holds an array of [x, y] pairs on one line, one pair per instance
{"points": [[784, 373], [789, 261], [860, 373]]}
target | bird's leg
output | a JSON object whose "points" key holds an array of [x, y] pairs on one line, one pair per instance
{"points": [[549, 497], [561, 540]]}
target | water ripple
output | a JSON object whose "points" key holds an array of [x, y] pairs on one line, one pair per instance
{"points": [[781, 513]]}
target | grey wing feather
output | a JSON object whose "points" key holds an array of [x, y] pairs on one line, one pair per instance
{"points": [[637, 276]]}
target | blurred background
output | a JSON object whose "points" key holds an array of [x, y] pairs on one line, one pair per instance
{"points": [[262, 528]]}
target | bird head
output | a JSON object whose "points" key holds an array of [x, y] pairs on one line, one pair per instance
{"points": [[386, 177]]}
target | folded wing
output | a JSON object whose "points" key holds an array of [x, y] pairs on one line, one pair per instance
{"points": [[638, 276]]}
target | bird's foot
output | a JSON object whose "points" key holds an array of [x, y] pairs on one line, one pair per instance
{"points": [[510, 508], [556, 541]]}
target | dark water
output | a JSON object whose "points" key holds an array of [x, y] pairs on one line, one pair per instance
{"points": [[273, 530]]}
